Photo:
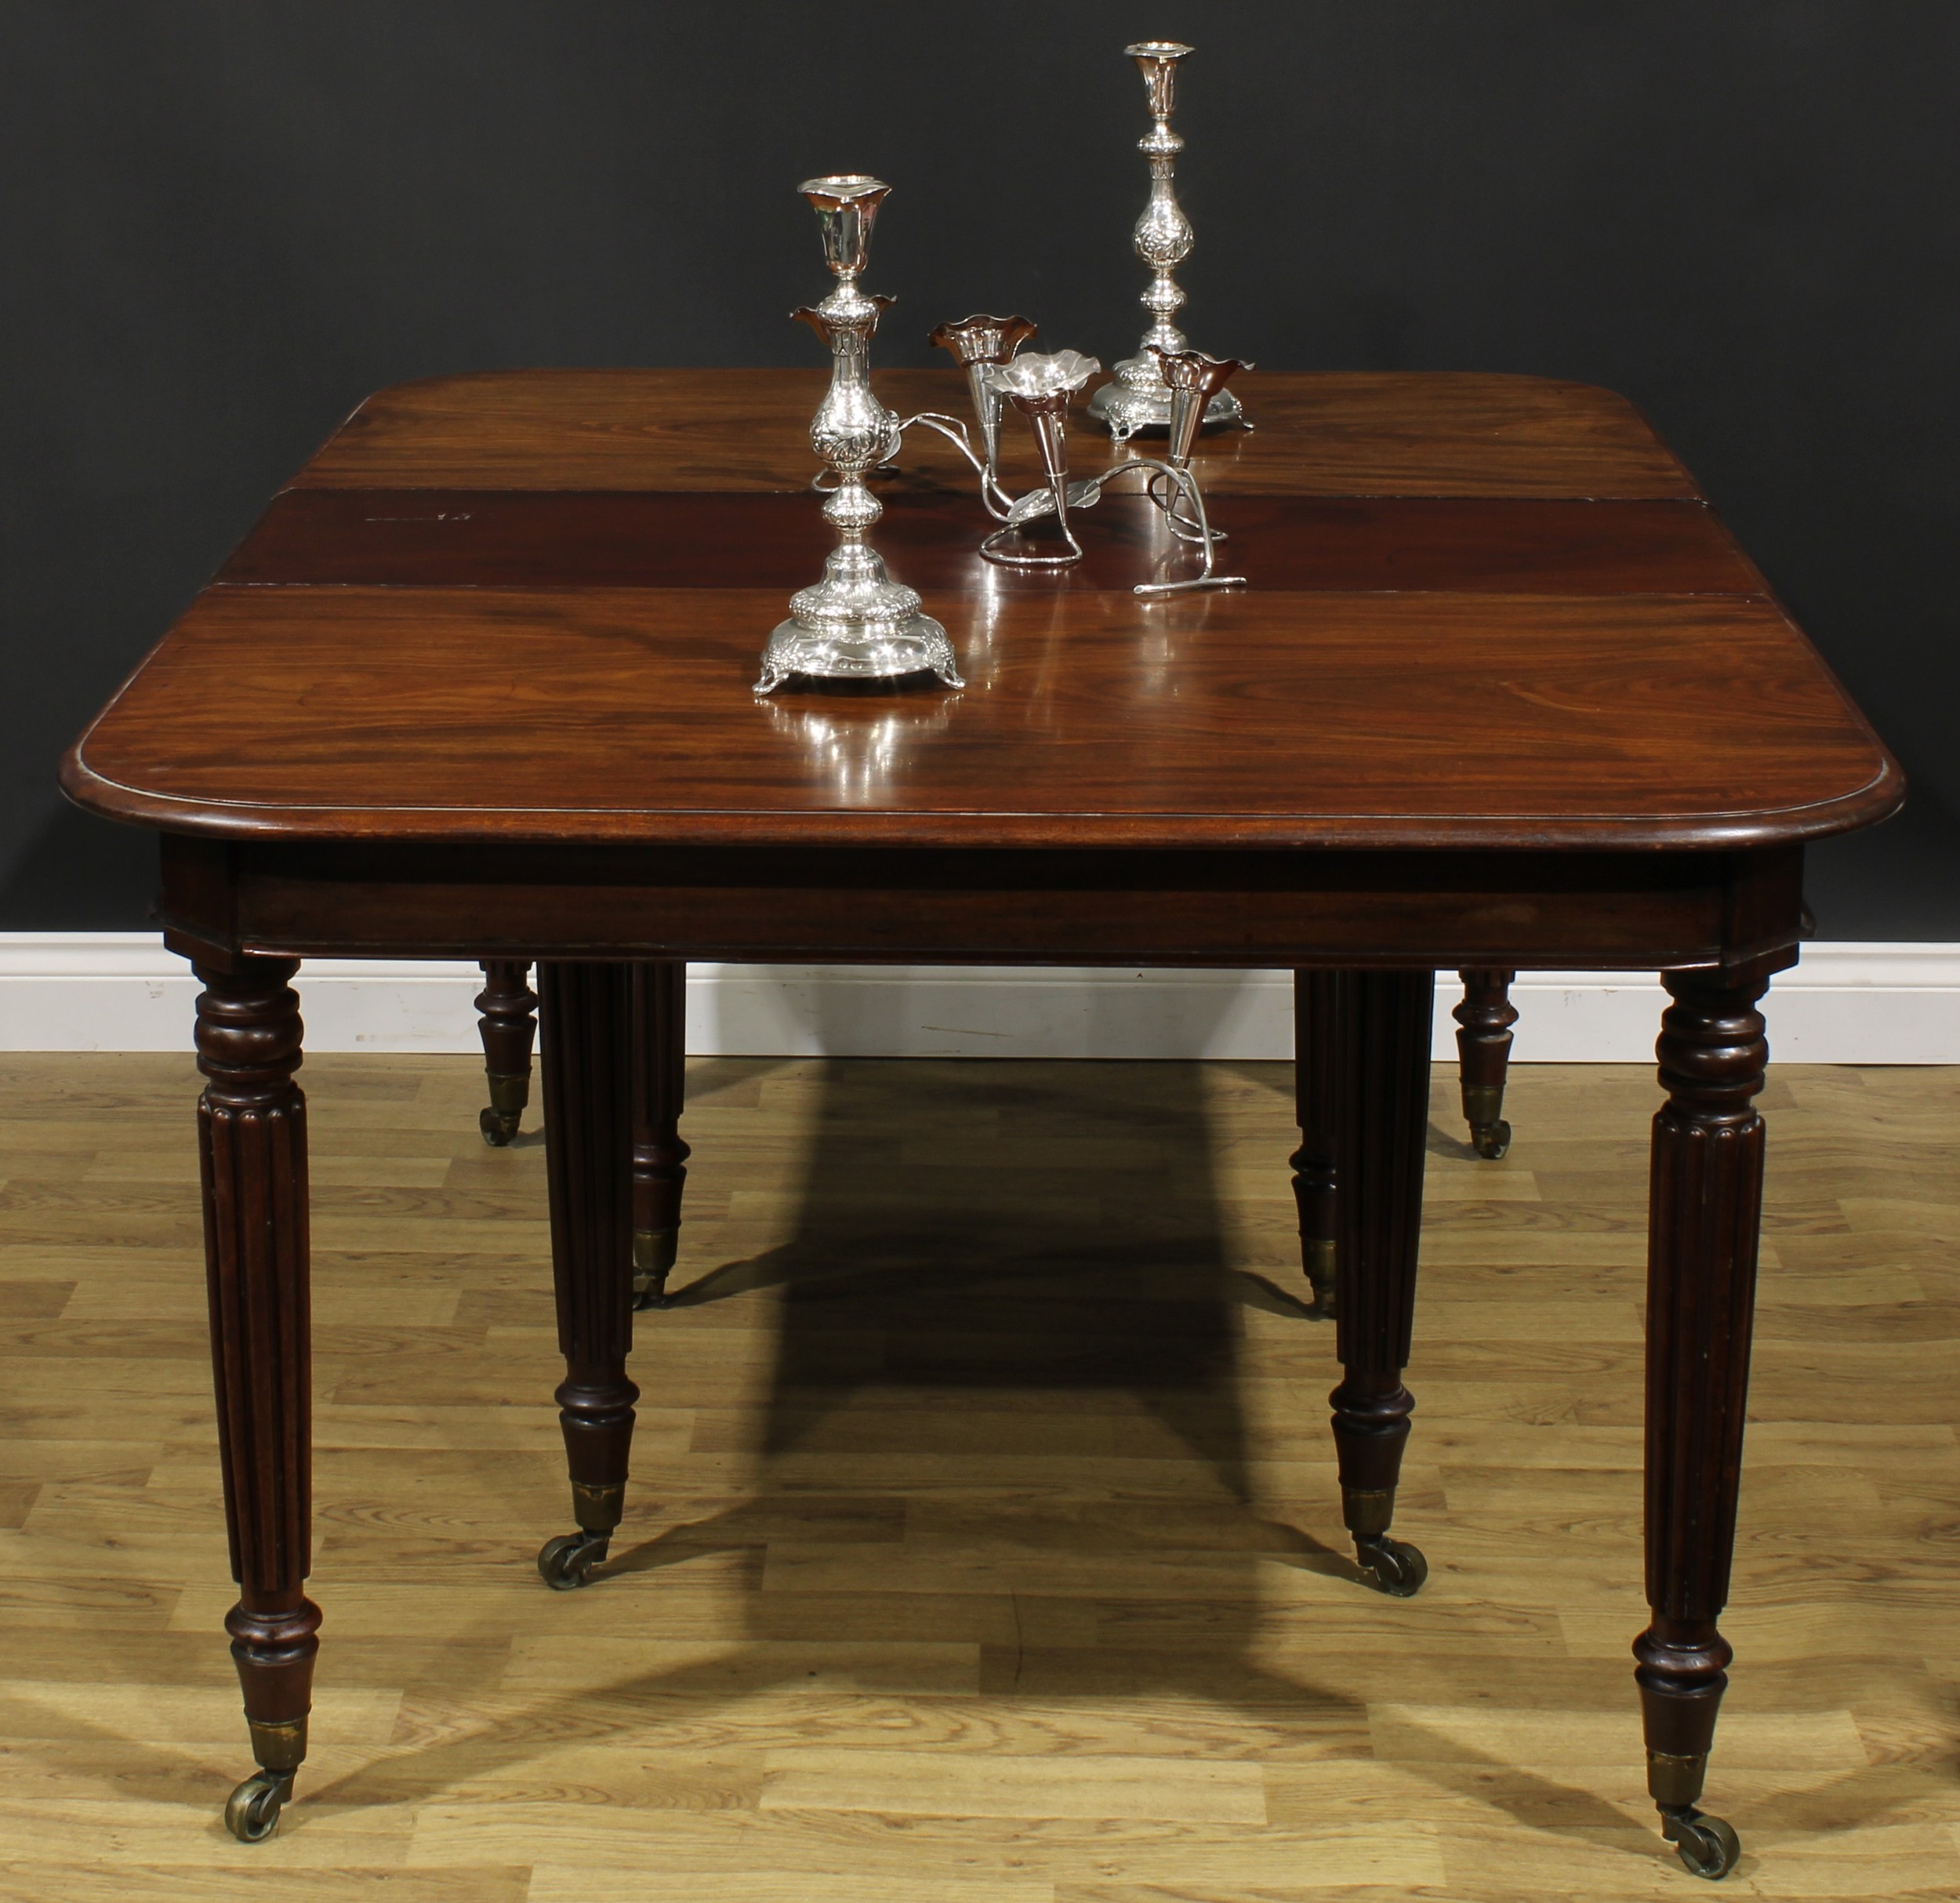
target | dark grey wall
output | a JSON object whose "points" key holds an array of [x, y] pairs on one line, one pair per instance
{"points": [[225, 221]]}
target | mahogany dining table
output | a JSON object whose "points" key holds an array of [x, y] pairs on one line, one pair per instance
{"points": [[1503, 693]]}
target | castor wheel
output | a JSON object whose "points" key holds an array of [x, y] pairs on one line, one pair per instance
{"points": [[1490, 1141], [565, 1563], [1705, 1845], [1399, 1569], [498, 1127], [252, 1813]]}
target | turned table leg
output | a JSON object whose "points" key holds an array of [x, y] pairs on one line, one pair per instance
{"points": [[1483, 1049], [588, 1026], [659, 1157], [507, 1009], [1377, 1044], [1313, 1163], [252, 1143], [1705, 1211]]}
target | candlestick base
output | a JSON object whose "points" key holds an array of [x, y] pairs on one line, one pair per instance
{"points": [[873, 647], [873, 651], [1137, 398], [856, 624]]}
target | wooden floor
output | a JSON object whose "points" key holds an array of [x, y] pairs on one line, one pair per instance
{"points": [[984, 1545]]}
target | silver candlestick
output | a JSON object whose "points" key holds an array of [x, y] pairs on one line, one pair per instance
{"points": [[857, 623], [1137, 398]]}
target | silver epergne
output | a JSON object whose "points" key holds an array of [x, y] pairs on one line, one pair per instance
{"points": [[1040, 387], [857, 623], [1138, 398]]}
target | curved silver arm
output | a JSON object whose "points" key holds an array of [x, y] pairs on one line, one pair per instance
{"points": [[1187, 486], [994, 497], [1210, 579]]}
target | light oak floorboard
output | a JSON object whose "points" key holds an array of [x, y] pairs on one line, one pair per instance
{"points": [[984, 1543]]}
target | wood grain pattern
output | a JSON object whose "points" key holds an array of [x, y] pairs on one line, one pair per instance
{"points": [[989, 1504], [1352, 434], [612, 538], [1267, 718]]}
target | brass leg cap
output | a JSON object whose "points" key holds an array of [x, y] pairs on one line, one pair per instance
{"points": [[1317, 1257], [1483, 1111], [509, 1094], [279, 1745], [598, 1508], [655, 1251]]}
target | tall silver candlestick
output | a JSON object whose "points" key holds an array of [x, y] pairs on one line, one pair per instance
{"points": [[1138, 398], [857, 623]]}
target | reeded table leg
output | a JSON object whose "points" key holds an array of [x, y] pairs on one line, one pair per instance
{"points": [[251, 1141], [588, 1027], [1703, 1214], [506, 1013], [1377, 1039], [1313, 1163], [659, 1157], [1483, 1050]]}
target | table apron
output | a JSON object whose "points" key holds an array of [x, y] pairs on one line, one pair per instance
{"points": [[1642, 911]]}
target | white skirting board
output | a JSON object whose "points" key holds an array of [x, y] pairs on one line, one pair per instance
{"points": [[1848, 1003]]}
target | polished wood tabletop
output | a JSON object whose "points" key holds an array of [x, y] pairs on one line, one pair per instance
{"points": [[1502, 692], [1484, 612]]}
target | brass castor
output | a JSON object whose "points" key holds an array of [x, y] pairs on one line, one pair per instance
{"points": [[565, 1563], [1490, 1141], [1399, 1569], [252, 1813], [1705, 1845], [498, 1127]]}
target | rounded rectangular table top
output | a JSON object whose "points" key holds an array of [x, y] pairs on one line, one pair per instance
{"points": [[1362, 433], [482, 615]]}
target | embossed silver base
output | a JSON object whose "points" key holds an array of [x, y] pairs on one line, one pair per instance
{"points": [[872, 651], [1127, 408]]}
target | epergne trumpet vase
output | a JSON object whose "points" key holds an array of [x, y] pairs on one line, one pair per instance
{"points": [[1040, 387], [857, 623], [1137, 398], [977, 344], [1195, 381]]}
